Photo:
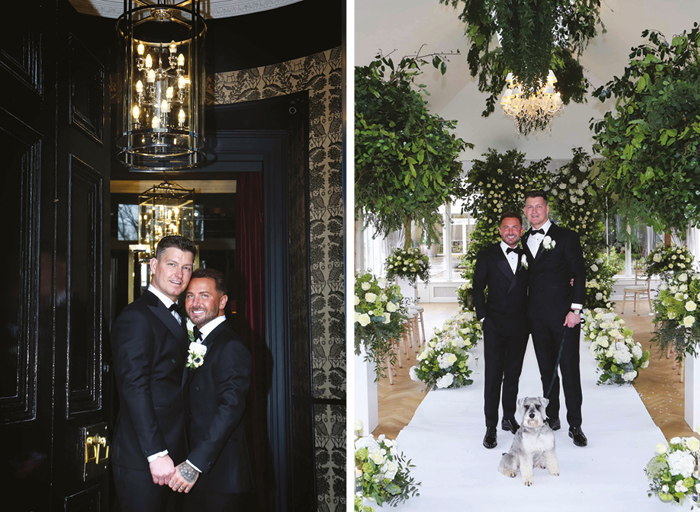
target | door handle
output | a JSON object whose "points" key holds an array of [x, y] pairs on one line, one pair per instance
{"points": [[93, 447]]}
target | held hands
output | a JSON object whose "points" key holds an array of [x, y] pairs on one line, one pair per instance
{"points": [[184, 478], [572, 319], [162, 469]]}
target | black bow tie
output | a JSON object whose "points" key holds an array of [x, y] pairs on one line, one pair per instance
{"points": [[197, 333], [540, 231], [175, 307], [510, 249]]}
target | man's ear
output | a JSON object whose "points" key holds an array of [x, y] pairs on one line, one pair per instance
{"points": [[222, 301]]}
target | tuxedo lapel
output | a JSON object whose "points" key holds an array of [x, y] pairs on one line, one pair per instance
{"points": [[168, 319]]}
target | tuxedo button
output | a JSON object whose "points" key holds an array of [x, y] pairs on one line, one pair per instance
{"points": [[173, 360], [196, 388]]}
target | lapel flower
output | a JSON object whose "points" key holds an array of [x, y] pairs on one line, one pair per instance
{"points": [[523, 261], [548, 243], [195, 355]]}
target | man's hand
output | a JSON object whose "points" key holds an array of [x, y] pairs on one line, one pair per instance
{"points": [[572, 319], [162, 469], [184, 478]]}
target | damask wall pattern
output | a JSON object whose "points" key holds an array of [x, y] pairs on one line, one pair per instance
{"points": [[321, 75]]}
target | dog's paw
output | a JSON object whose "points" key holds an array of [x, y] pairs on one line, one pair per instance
{"points": [[541, 465], [554, 473], [528, 482]]}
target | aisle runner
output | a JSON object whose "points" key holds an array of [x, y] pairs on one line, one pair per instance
{"points": [[459, 474]]}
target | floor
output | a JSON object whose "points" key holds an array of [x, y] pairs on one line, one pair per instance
{"points": [[659, 385]]}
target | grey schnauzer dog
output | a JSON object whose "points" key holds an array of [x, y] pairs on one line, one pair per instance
{"points": [[533, 445]]}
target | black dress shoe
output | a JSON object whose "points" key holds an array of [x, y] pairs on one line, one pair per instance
{"points": [[490, 437], [510, 425], [554, 424], [577, 435]]}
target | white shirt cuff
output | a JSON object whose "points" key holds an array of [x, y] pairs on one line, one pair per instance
{"points": [[156, 455], [195, 467], [576, 306]]}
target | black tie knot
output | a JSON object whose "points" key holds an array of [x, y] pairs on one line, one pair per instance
{"points": [[197, 333], [540, 231], [511, 249], [174, 307]]}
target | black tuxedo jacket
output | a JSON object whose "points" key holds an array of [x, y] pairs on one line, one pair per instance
{"points": [[149, 350], [507, 292], [215, 421], [551, 293]]}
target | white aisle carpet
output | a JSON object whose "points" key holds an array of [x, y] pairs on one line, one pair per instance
{"points": [[458, 474]]}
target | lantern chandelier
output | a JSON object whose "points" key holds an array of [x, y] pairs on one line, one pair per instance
{"points": [[534, 111], [162, 118], [164, 210]]}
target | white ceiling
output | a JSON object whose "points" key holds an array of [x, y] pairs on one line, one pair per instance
{"points": [[403, 26], [210, 8]]}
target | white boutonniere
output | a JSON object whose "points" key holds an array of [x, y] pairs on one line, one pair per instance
{"points": [[195, 355], [523, 261], [548, 243]]}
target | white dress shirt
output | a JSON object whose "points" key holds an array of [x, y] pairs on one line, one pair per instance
{"points": [[511, 256]]}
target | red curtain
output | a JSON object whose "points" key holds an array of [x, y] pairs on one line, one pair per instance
{"points": [[249, 263]]}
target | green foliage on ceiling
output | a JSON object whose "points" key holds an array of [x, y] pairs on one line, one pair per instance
{"points": [[535, 36], [651, 139], [406, 158]]}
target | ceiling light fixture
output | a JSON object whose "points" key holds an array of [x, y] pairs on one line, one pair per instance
{"points": [[163, 85], [534, 111]]}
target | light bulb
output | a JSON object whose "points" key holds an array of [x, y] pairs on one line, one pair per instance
{"points": [[140, 48], [149, 61], [173, 47], [151, 77], [136, 111], [156, 122], [181, 60], [139, 87], [165, 106], [169, 93]]}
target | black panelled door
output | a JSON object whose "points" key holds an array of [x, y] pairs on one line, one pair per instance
{"points": [[54, 183]]}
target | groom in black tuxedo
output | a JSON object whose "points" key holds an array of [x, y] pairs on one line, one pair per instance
{"points": [[149, 346], [555, 258], [504, 315], [215, 400]]}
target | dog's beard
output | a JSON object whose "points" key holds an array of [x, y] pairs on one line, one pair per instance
{"points": [[535, 422]]}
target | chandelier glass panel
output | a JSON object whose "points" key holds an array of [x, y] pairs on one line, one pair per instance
{"points": [[163, 88], [534, 111]]}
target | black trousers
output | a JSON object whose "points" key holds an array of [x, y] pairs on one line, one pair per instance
{"points": [[504, 350], [547, 338], [136, 492], [198, 500]]}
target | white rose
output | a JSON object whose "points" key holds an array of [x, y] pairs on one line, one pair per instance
{"points": [[366, 286], [688, 321], [381, 282], [370, 297], [661, 449], [390, 307], [594, 268], [364, 319], [692, 443], [683, 278], [412, 374], [690, 306], [387, 318], [598, 296], [357, 300]]}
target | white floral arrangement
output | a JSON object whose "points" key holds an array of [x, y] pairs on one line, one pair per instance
{"points": [[673, 471], [408, 263], [383, 471], [619, 357], [523, 262], [667, 260], [548, 243], [379, 318], [195, 354], [444, 362], [677, 314]]}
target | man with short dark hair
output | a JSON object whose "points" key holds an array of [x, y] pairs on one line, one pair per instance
{"points": [[555, 257], [217, 470], [149, 344], [503, 314]]}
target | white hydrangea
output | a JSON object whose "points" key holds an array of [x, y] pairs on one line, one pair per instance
{"points": [[412, 374], [681, 463], [629, 376], [445, 381], [446, 360]]}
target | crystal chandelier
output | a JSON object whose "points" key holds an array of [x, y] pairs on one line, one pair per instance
{"points": [[164, 210], [534, 111], [162, 117]]}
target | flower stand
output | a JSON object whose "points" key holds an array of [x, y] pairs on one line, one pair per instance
{"points": [[692, 391]]}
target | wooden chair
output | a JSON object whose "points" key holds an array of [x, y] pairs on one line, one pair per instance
{"points": [[420, 332], [639, 289]]}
